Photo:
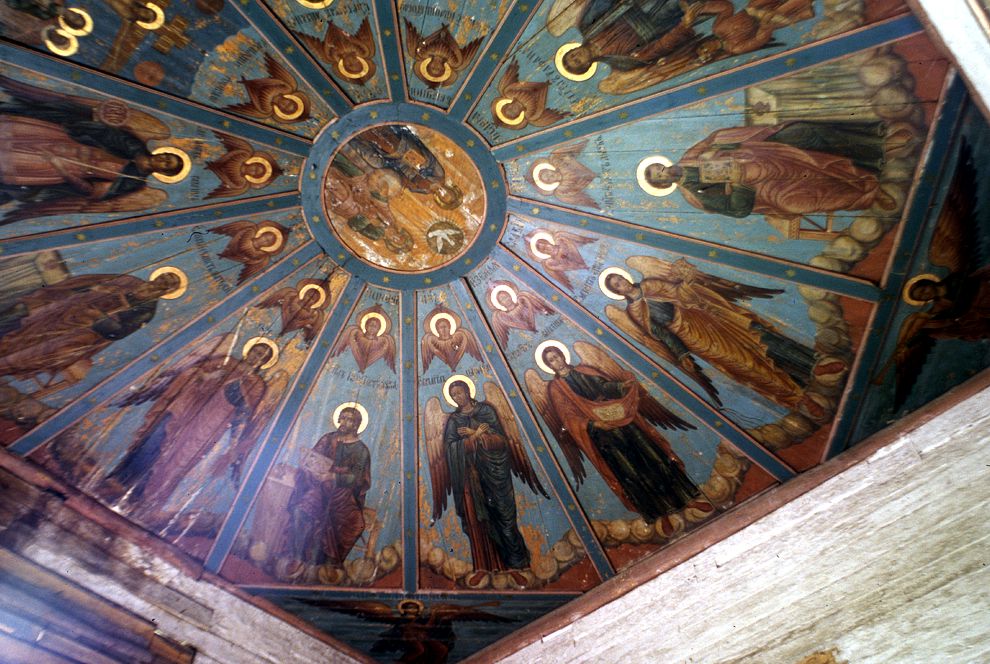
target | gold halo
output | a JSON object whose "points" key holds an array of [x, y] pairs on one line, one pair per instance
{"points": [[641, 176], [308, 287], [346, 73], [550, 343], [381, 319], [356, 406], [540, 235], [183, 281], [447, 71], [514, 122], [321, 4], [270, 230], [538, 168], [905, 292], [159, 17], [268, 170], [446, 388], [415, 602], [606, 273], [64, 51], [443, 315], [558, 60], [77, 32], [294, 115], [498, 289], [254, 341], [183, 172]]}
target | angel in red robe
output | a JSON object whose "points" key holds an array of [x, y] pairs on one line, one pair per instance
{"points": [[474, 452], [302, 307], [437, 58], [369, 341], [276, 97], [600, 411], [444, 338], [352, 55], [514, 310], [241, 168], [252, 244], [559, 252], [564, 177]]}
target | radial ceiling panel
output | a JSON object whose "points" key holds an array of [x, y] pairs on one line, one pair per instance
{"points": [[381, 313]]}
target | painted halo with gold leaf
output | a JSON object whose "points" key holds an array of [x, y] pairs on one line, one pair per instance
{"points": [[183, 172], [356, 406], [450, 381], [254, 341], [493, 296], [373, 314], [550, 343], [443, 315], [603, 277], [558, 60], [641, 176], [319, 289], [183, 281]]}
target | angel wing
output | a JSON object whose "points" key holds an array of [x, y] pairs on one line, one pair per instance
{"points": [[621, 318], [434, 422], [262, 92], [681, 270], [235, 457], [575, 176], [910, 355], [278, 297], [388, 352], [954, 243], [367, 610], [228, 167], [518, 460], [469, 344], [445, 613], [141, 199], [537, 389], [426, 349], [531, 94], [650, 408], [345, 340]]}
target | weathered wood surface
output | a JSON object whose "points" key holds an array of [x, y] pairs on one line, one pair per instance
{"points": [[54, 540], [886, 561]]}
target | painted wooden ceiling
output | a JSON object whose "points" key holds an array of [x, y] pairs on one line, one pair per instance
{"points": [[421, 319]]}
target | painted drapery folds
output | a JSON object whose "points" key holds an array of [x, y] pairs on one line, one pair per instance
{"points": [[421, 320]]}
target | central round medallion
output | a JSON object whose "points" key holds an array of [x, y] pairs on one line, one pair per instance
{"points": [[404, 197]]}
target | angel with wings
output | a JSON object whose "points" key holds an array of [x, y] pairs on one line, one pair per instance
{"points": [[241, 168], [680, 313], [474, 453], [564, 177], [956, 306], [514, 310], [276, 97], [444, 338], [423, 635], [65, 154], [522, 103], [437, 58], [599, 411], [352, 56], [559, 252], [252, 244], [209, 402], [369, 341], [303, 307]]}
